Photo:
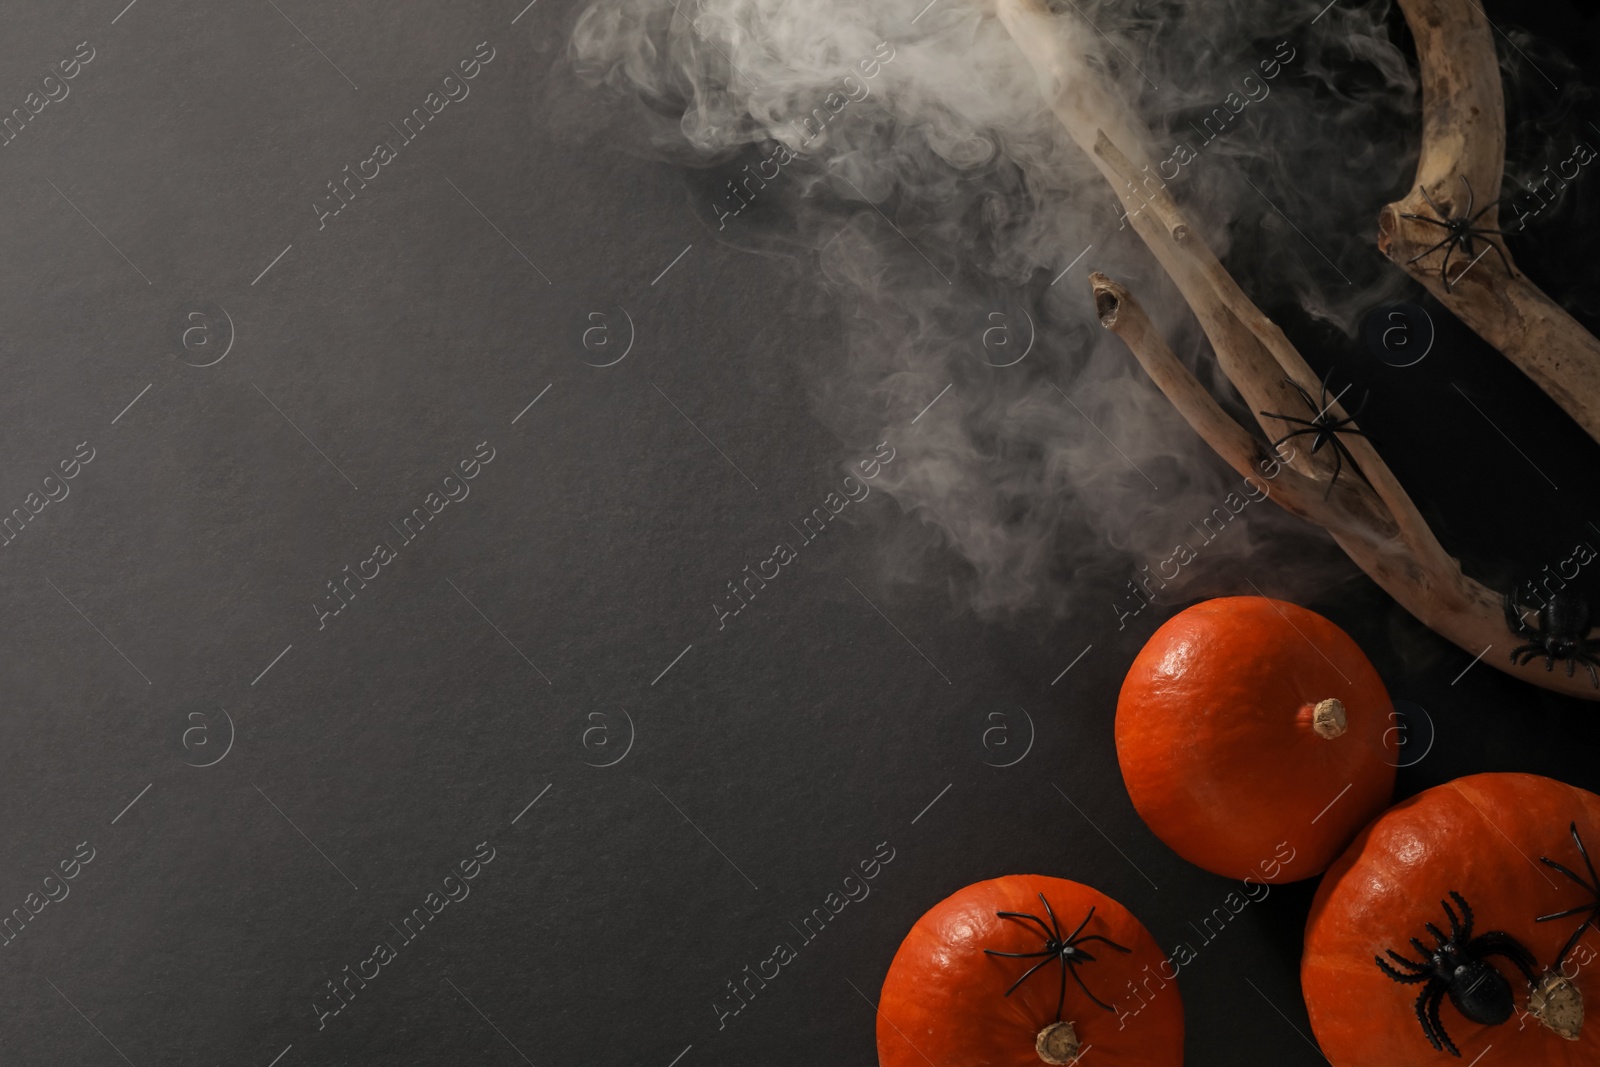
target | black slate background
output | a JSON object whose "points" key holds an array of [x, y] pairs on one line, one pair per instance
{"points": [[458, 688]]}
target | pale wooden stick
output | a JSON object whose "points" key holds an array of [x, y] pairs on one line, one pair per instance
{"points": [[1464, 136], [1247, 454], [1448, 602], [1375, 523], [1252, 351]]}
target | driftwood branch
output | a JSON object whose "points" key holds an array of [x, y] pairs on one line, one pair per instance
{"points": [[1464, 148], [1374, 521], [1424, 579]]}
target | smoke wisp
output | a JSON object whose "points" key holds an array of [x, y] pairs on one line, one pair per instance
{"points": [[908, 152]]}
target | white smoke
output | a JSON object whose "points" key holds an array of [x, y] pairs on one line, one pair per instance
{"points": [[908, 150]]}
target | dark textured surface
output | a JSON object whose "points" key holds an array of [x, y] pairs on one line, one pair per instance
{"points": [[503, 653]]}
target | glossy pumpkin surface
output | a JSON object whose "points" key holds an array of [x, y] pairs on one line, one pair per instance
{"points": [[1219, 741], [943, 1000], [1481, 836]]}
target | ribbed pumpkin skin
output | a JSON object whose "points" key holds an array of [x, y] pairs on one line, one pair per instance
{"points": [[1481, 836], [1217, 750], [943, 1003]]}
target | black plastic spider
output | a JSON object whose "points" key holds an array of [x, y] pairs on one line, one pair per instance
{"points": [[1593, 907], [1324, 425], [1460, 233], [1056, 947], [1458, 966], [1562, 633]]}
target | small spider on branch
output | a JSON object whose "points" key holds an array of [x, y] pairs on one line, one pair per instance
{"points": [[1562, 633], [1459, 233], [1323, 424]]}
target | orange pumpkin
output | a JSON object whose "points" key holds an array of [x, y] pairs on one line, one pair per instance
{"points": [[1247, 727], [1481, 838], [1095, 981]]}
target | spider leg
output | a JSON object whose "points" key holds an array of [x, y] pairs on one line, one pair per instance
{"points": [[1029, 955], [1338, 465], [1532, 653], [1400, 976], [1438, 935], [1587, 862], [1437, 1025], [1348, 455], [1061, 997], [1572, 942], [1411, 963], [1504, 262], [1590, 662], [1522, 964], [1079, 979], [1421, 1008], [1431, 250], [1577, 935], [1526, 653], [1423, 189], [1466, 913], [1026, 974], [1287, 418], [1070, 938], [1356, 414], [1346, 425], [1455, 926], [1499, 943], [1339, 445], [1484, 210], [1024, 915], [1444, 269], [1468, 212], [1054, 924], [1107, 940], [1515, 621], [1079, 954], [1569, 913], [1423, 950], [1304, 395], [1588, 659], [1422, 218], [1324, 404], [1296, 433]]}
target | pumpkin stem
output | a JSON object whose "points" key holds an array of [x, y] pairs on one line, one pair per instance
{"points": [[1557, 1004], [1328, 719], [1057, 1043]]}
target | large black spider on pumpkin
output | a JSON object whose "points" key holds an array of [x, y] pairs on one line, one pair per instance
{"points": [[1458, 966], [1067, 950], [1562, 633]]}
